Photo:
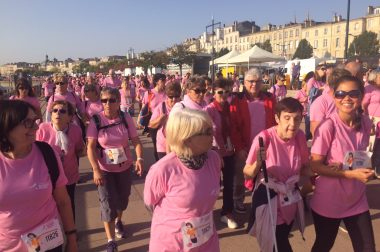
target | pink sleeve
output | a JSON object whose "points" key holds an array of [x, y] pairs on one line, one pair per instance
{"points": [[310, 83], [145, 98], [302, 144], [271, 90], [155, 184], [323, 138], [252, 156], [92, 132], [317, 111], [366, 99], [132, 132], [156, 112]]}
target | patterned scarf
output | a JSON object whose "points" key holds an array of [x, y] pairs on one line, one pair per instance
{"points": [[194, 162]]}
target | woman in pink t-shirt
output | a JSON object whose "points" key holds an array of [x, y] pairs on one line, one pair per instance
{"points": [[126, 104], [279, 89], [25, 93], [108, 151], [195, 94], [287, 158], [92, 104], [66, 137], [181, 188], [161, 113], [340, 193], [32, 202]]}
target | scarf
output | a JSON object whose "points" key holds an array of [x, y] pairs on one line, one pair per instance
{"points": [[62, 139], [225, 117], [194, 162]]}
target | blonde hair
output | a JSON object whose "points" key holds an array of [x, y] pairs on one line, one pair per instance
{"points": [[183, 124]]}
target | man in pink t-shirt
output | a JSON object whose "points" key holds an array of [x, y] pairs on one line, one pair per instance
{"points": [[279, 89], [111, 80]]}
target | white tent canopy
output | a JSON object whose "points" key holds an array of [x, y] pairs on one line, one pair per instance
{"points": [[225, 58], [255, 55]]}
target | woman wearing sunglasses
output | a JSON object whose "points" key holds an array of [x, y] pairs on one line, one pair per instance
{"points": [[195, 94], [30, 204], [66, 137], [340, 193], [25, 93], [161, 113], [181, 188], [219, 111], [92, 104], [315, 85], [108, 151]]}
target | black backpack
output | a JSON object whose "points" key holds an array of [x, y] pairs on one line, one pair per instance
{"points": [[50, 161]]}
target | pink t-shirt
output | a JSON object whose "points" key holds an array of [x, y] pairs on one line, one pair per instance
{"points": [[279, 91], [188, 103], [93, 108], [132, 86], [48, 88], [113, 137], [339, 197], [29, 99], [256, 110], [111, 82], [125, 98], [301, 96], [372, 100], [48, 134], [161, 138], [69, 97], [178, 194], [26, 199], [156, 98], [283, 160], [218, 141], [314, 83], [322, 108]]}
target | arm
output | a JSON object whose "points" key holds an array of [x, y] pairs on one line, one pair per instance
{"points": [[93, 158], [139, 150], [65, 211], [313, 126]]}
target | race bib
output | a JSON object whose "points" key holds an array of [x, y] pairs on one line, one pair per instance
{"points": [[44, 237], [115, 155], [290, 198], [357, 159], [197, 231]]}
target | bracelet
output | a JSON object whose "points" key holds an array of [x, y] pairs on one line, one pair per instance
{"points": [[74, 231], [140, 159]]}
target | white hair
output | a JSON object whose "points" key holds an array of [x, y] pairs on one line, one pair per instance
{"points": [[183, 124], [253, 72], [373, 75]]}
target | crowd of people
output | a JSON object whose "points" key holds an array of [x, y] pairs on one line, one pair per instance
{"points": [[206, 134]]}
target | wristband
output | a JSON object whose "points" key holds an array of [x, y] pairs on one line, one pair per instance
{"points": [[74, 231], [140, 159]]}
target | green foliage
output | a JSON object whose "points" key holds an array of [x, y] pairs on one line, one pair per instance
{"points": [[222, 52], [181, 55], [304, 50], [366, 44], [150, 59], [266, 45]]}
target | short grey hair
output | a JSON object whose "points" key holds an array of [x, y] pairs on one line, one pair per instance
{"points": [[111, 91], [373, 75], [253, 72]]}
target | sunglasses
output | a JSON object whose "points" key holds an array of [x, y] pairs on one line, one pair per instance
{"points": [[221, 92], [198, 91], [29, 123], [61, 111], [22, 88], [111, 100], [352, 94], [253, 81], [60, 83], [171, 97], [323, 69]]}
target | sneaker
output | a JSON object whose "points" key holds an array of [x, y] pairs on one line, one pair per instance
{"points": [[111, 246], [240, 208], [228, 219], [119, 229]]}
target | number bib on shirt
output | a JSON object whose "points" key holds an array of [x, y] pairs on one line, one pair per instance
{"points": [[115, 155], [197, 231], [290, 198], [357, 159], [44, 237]]}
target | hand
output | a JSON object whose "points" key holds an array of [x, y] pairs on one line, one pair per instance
{"points": [[261, 155], [139, 167], [71, 245], [362, 174], [98, 177]]}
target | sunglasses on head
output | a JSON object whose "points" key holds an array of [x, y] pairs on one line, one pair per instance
{"points": [[198, 90], [111, 100], [221, 92], [60, 83], [61, 111], [29, 123], [352, 94]]}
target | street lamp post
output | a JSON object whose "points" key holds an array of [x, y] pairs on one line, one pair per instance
{"points": [[347, 29], [212, 26]]}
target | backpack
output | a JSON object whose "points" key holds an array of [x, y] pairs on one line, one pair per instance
{"points": [[50, 161], [146, 113], [313, 94], [99, 127]]}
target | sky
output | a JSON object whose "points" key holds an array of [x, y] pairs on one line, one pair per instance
{"points": [[30, 29]]}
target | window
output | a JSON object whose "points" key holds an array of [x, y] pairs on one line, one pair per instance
{"points": [[315, 43], [325, 43], [286, 34], [235, 39], [279, 36], [230, 40], [275, 36], [356, 26], [307, 34], [337, 42], [338, 29], [297, 32], [325, 31], [370, 23], [316, 33], [291, 34], [291, 45]]}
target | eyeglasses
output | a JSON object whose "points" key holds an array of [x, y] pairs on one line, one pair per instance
{"points": [[171, 97], [323, 69], [60, 83], [253, 81], [221, 92], [198, 90], [352, 94], [29, 123], [207, 132], [111, 100], [61, 111]]}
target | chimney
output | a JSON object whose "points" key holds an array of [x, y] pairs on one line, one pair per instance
{"points": [[370, 10], [340, 18]]}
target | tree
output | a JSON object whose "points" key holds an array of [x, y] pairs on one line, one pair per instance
{"points": [[181, 55], [222, 52], [304, 50], [266, 45], [366, 44], [150, 59]]}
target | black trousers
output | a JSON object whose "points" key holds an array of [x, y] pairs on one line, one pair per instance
{"points": [[228, 185], [153, 135], [282, 237], [71, 192], [57, 249], [359, 228]]}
